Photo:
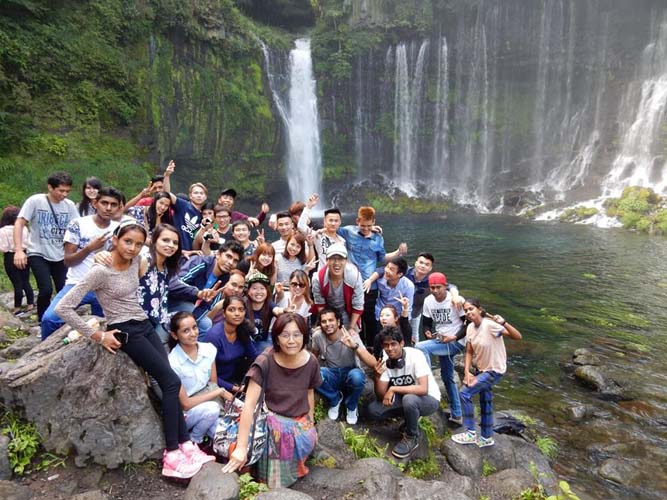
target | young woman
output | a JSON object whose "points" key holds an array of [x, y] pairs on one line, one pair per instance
{"points": [[263, 260], [156, 270], [231, 337], [88, 195], [290, 398], [194, 363], [116, 290], [261, 309], [158, 212], [20, 278], [294, 257], [389, 317], [297, 298], [485, 344]]}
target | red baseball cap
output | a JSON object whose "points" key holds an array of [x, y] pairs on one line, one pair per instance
{"points": [[437, 279]]}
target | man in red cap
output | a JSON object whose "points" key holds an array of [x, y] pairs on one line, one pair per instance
{"points": [[442, 318]]}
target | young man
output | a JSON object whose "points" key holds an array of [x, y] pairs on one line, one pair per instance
{"points": [[214, 233], [326, 238], [444, 315], [84, 237], [342, 379], [405, 387], [187, 214], [196, 288], [158, 183], [366, 251], [393, 286], [48, 215], [285, 227], [419, 277], [338, 286], [226, 199]]}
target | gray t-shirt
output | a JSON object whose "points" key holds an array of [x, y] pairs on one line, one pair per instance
{"points": [[337, 301], [334, 354], [46, 232]]}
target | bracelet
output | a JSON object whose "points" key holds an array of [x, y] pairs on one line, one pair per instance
{"points": [[503, 323], [102, 338]]}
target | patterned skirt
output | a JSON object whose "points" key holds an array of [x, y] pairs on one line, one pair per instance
{"points": [[290, 442]]}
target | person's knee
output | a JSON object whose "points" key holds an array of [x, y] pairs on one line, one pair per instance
{"points": [[410, 401], [465, 396], [50, 322], [356, 378], [210, 411], [375, 410]]}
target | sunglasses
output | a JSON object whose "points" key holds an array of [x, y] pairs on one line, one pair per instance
{"points": [[299, 285]]}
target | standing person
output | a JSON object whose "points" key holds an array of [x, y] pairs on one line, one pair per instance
{"points": [[292, 375], [261, 309], [297, 255], [88, 195], [20, 278], [157, 184], [116, 289], [366, 251], [405, 387], [194, 363], [48, 216], [446, 333], [342, 378], [328, 235], [486, 346], [419, 276], [158, 212], [85, 237], [263, 260], [339, 286], [241, 233], [285, 228], [394, 286], [187, 214], [227, 197]]}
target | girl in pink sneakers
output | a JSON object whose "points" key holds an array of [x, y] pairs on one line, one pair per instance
{"points": [[485, 344], [131, 331]]}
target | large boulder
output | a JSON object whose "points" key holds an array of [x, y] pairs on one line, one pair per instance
{"points": [[585, 356], [595, 378], [19, 347], [5, 468], [86, 400], [330, 444], [211, 484], [468, 460]]}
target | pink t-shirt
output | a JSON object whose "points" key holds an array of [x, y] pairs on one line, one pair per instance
{"points": [[488, 346]]}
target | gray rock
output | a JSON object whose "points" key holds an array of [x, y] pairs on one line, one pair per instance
{"points": [[377, 487], [211, 484], [529, 458], [605, 386], [579, 412], [468, 460], [5, 468], [508, 483], [7, 319], [585, 357], [283, 494], [84, 399], [330, 444], [14, 491], [618, 471], [91, 495], [335, 482], [20, 347]]}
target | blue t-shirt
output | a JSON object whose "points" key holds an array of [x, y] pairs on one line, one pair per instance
{"points": [[365, 253], [229, 354], [187, 219], [262, 335]]}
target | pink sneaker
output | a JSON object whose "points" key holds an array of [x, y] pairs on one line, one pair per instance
{"points": [[194, 454], [176, 464]]}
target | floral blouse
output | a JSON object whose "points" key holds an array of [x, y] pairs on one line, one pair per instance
{"points": [[152, 294]]}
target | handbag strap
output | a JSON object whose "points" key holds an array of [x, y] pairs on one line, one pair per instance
{"points": [[262, 395], [55, 217]]}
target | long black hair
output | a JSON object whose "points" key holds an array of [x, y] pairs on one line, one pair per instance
{"points": [[84, 206], [171, 263], [152, 212], [9, 215], [244, 330]]}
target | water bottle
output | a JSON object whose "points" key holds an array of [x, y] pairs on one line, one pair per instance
{"points": [[71, 337]]}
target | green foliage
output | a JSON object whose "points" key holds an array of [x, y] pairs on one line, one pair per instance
{"points": [[320, 412], [328, 462], [548, 446], [537, 492], [640, 209], [578, 214], [423, 468], [429, 430], [249, 488], [487, 468], [24, 441], [403, 204], [362, 445]]}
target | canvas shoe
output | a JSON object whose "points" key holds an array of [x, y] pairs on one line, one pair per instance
{"points": [[458, 421], [334, 411], [405, 446], [483, 442], [352, 416], [194, 454], [176, 464], [468, 437]]}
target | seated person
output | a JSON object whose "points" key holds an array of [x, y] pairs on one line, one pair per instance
{"points": [[404, 387]]}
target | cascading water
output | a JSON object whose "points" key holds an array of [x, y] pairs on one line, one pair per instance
{"points": [[297, 108], [641, 160]]}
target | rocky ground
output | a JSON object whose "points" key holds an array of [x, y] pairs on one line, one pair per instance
{"points": [[96, 409]]}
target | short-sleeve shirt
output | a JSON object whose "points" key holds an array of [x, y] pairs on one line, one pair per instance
{"points": [[488, 346], [47, 232], [446, 318], [194, 374], [334, 354], [365, 253], [187, 219], [287, 388], [80, 232], [415, 367]]}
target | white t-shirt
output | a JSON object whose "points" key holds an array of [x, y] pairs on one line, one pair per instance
{"points": [[80, 232], [46, 232], [447, 319], [415, 367]]}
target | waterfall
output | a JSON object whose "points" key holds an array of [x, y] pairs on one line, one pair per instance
{"points": [[441, 121], [641, 160], [297, 108]]}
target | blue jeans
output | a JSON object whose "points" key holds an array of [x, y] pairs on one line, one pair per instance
{"points": [[204, 323], [202, 420], [409, 406], [485, 381], [347, 380], [446, 353], [51, 321]]}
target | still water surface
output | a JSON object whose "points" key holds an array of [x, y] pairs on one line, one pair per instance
{"points": [[568, 286]]}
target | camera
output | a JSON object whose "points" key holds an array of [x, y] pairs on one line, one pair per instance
{"points": [[208, 236], [206, 221]]}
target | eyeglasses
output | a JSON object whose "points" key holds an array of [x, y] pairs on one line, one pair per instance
{"points": [[297, 285], [294, 336], [223, 216]]}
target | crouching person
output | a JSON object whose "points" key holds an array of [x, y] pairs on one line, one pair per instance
{"points": [[339, 353], [404, 386]]}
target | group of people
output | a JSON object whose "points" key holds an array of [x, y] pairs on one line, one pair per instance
{"points": [[208, 312]]}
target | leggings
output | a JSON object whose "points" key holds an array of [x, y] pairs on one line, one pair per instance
{"points": [[44, 270], [20, 279], [146, 350]]}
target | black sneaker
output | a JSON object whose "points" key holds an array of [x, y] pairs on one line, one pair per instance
{"points": [[405, 447]]}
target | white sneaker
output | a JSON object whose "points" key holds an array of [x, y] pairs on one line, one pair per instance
{"points": [[352, 416], [334, 411]]}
